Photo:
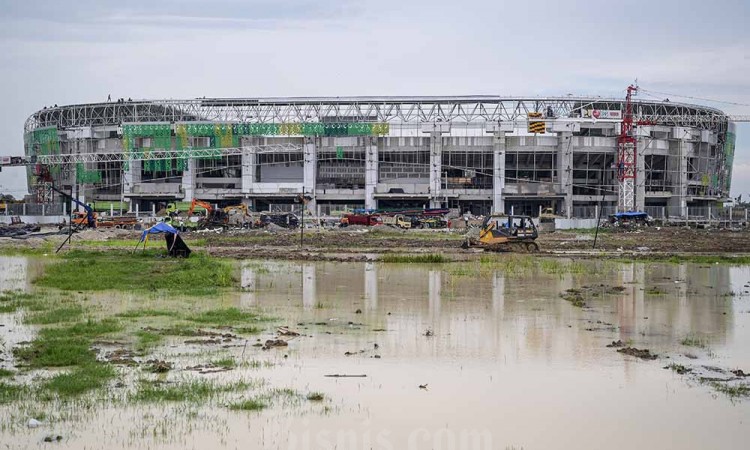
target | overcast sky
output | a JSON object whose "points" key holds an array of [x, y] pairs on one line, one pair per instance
{"points": [[62, 52]]}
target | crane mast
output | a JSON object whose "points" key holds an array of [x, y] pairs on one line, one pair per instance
{"points": [[626, 157]]}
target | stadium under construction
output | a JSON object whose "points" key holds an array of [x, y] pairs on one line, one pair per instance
{"points": [[477, 153]]}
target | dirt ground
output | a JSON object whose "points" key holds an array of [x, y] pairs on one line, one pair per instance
{"points": [[363, 244]]}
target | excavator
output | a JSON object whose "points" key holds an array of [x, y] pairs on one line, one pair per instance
{"points": [[505, 233], [239, 216]]}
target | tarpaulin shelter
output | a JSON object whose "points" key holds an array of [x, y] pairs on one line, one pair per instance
{"points": [[175, 245]]}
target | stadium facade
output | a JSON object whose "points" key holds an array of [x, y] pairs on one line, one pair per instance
{"points": [[478, 153]]}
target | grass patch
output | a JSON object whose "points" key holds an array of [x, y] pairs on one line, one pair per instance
{"points": [[191, 391], [226, 316], [139, 313], [732, 390], [5, 373], [10, 392], [316, 396], [143, 271], [224, 363], [57, 315], [253, 404], [146, 340], [678, 368], [65, 346], [653, 290], [81, 380], [694, 341], [574, 297], [429, 258]]}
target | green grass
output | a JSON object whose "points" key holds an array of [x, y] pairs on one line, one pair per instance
{"points": [[65, 346], [253, 404], [429, 258], [4, 373], [10, 392], [226, 316], [10, 301], [189, 391], [80, 380], [224, 363], [139, 272], [57, 315], [146, 340], [694, 341], [315, 396], [732, 391], [679, 368], [139, 313]]}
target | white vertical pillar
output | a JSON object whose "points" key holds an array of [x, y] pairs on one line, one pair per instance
{"points": [[371, 172], [248, 170], [310, 171], [436, 168], [498, 172], [565, 170], [436, 131], [188, 180]]}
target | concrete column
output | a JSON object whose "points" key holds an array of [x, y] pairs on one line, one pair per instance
{"points": [[310, 171], [371, 172], [436, 131], [188, 180], [641, 147], [498, 172], [565, 170], [436, 168], [678, 162], [248, 169]]}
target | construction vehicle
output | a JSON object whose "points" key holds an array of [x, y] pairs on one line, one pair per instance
{"points": [[396, 220], [205, 205], [505, 233], [238, 216], [360, 219]]}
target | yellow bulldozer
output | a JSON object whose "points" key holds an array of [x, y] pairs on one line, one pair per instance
{"points": [[503, 233]]}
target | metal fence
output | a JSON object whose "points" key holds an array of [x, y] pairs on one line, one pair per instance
{"points": [[35, 209]]}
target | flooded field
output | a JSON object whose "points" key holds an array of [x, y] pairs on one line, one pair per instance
{"points": [[508, 353]]}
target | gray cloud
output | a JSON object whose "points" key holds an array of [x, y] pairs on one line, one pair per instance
{"points": [[79, 51]]}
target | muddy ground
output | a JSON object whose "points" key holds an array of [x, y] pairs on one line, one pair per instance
{"points": [[366, 244]]}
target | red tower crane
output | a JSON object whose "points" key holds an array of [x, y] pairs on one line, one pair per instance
{"points": [[626, 156]]}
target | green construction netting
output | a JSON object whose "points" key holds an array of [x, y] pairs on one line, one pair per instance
{"points": [[43, 141], [87, 176], [729, 146]]}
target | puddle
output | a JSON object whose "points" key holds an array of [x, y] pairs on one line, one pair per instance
{"points": [[451, 360]]}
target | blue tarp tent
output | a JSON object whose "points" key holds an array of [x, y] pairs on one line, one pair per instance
{"points": [[175, 245]]}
